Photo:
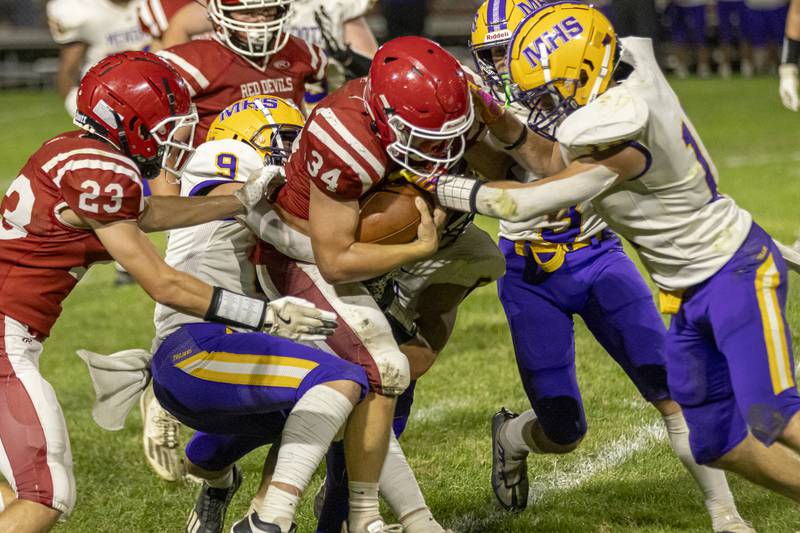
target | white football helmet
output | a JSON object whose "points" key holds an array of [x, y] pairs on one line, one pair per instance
{"points": [[249, 28]]}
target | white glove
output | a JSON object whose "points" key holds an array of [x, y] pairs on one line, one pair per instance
{"points": [[298, 320], [788, 86], [261, 183]]}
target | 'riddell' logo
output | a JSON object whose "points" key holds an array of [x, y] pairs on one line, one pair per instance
{"points": [[498, 35]]}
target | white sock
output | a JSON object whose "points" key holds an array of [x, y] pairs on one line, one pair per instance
{"points": [[309, 430], [717, 494], [222, 482], [278, 507], [397, 483], [517, 435], [364, 505]]}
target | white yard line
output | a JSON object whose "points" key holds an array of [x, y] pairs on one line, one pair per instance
{"points": [[756, 160], [574, 476]]}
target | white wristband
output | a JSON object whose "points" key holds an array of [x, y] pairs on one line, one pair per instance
{"points": [[236, 309], [457, 192]]}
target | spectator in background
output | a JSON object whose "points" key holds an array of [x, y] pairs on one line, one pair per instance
{"points": [[790, 64], [766, 21], [689, 33], [404, 17], [87, 31], [732, 15], [632, 17]]}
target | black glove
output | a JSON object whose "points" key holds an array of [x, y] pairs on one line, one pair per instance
{"points": [[355, 65]]}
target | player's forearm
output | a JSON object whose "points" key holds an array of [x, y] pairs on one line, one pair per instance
{"points": [[171, 212], [532, 151], [362, 261], [517, 202], [182, 292]]}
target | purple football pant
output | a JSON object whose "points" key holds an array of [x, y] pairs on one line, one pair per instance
{"points": [[600, 284], [688, 24], [731, 16], [766, 26], [729, 352], [237, 389]]}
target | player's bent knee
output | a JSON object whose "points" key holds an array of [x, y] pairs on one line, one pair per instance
{"points": [[394, 370], [562, 422]]}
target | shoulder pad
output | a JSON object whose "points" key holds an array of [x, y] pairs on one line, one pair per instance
{"points": [[616, 116], [216, 162], [65, 18]]}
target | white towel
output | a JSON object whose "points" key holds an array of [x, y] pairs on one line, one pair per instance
{"points": [[119, 380]]}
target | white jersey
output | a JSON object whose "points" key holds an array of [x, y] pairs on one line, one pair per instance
{"points": [[304, 25], [216, 252], [575, 224], [683, 229], [106, 27]]}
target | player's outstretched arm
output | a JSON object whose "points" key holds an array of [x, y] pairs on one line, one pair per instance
{"points": [[537, 154], [170, 212], [332, 224], [581, 181], [292, 318]]}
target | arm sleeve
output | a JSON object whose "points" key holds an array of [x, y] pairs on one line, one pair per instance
{"points": [[102, 191]]}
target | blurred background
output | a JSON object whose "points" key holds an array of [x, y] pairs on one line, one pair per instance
{"points": [[703, 38]]}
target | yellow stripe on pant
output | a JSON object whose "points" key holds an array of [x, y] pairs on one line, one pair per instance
{"points": [[248, 369], [767, 282]]}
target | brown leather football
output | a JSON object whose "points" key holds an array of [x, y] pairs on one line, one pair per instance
{"points": [[388, 214]]}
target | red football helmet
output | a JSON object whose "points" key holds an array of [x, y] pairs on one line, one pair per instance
{"points": [[140, 104], [420, 101]]}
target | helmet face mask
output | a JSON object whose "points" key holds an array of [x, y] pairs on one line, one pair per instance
{"points": [[275, 142], [428, 152], [175, 136], [251, 28], [549, 107]]}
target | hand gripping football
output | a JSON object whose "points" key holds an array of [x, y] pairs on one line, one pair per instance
{"points": [[388, 214]]}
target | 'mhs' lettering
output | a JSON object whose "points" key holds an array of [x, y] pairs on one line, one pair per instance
{"points": [[551, 40]]}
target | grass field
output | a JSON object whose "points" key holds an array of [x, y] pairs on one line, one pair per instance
{"points": [[623, 479]]}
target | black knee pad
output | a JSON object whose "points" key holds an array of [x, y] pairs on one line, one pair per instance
{"points": [[652, 382], [562, 419]]}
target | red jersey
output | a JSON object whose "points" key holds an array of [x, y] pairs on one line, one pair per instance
{"points": [[338, 151], [155, 15], [217, 76], [41, 256]]}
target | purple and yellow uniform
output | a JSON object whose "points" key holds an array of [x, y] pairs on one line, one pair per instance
{"points": [[728, 349], [569, 264], [236, 388]]}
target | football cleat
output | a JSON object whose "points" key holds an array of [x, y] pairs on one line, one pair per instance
{"points": [[732, 523], [509, 475], [378, 526], [160, 438], [208, 515], [253, 524]]}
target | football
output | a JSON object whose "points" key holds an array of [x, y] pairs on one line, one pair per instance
{"points": [[388, 214]]}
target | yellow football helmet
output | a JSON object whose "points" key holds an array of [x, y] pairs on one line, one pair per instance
{"points": [[495, 22], [560, 58], [267, 123]]}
